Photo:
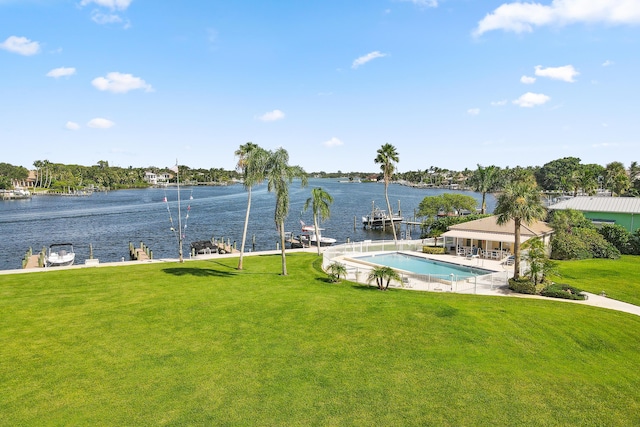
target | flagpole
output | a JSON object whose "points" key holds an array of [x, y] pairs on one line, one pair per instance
{"points": [[179, 215]]}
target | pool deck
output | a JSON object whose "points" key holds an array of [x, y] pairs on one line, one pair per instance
{"points": [[503, 291]]}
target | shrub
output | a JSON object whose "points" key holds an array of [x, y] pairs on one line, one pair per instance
{"points": [[522, 285], [634, 243], [568, 246], [335, 270], [434, 250], [558, 290], [582, 243], [618, 236]]}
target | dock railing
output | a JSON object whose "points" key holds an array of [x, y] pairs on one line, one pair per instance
{"points": [[359, 272]]}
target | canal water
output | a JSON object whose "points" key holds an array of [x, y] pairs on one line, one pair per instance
{"points": [[108, 221]]}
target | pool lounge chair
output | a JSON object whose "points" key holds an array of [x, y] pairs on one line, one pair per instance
{"points": [[475, 253]]}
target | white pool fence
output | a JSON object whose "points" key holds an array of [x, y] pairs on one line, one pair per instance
{"points": [[359, 272]]}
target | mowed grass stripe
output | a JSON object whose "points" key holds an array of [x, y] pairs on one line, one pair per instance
{"points": [[203, 343]]}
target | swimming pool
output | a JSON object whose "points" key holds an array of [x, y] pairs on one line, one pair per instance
{"points": [[419, 265]]}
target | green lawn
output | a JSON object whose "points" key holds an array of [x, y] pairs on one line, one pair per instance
{"points": [[620, 279], [200, 343]]}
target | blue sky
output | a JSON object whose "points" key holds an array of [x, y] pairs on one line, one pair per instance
{"points": [[450, 83]]}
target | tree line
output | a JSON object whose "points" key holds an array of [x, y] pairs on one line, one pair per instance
{"points": [[561, 176], [59, 177]]}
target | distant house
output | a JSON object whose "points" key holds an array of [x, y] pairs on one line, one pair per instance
{"points": [[164, 177], [495, 241], [151, 178], [624, 211], [28, 182]]}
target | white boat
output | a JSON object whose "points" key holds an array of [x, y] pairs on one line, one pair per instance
{"points": [[380, 218], [309, 237], [312, 240], [60, 254]]}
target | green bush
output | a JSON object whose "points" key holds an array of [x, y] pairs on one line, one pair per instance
{"points": [[618, 236], [558, 290], [523, 285], [634, 242], [434, 250], [582, 243]]}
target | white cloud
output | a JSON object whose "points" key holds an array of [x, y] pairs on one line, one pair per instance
{"points": [[423, 3], [100, 123], [607, 63], [111, 4], [473, 111], [530, 99], [104, 19], [565, 73], [333, 142], [366, 58], [120, 83], [522, 17], [272, 116], [20, 45], [72, 126], [605, 145], [527, 80], [61, 72], [500, 103]]}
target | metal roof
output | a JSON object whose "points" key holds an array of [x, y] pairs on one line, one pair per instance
{"points": [[630, 205]]}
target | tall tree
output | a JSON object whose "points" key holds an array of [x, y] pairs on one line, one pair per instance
{"points": [[634, 171], [280, 175], [520, 202], [319, 201], [550, 175], [484, 180], [616, 178], [387, 158], [252, 161]]}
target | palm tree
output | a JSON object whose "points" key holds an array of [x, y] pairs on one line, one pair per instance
{"points": [[279, 175], [335, 270], [319, 202], [521, 203], [634, 171], [616, 178], [251, 164], [387, 158], [484, 180], [383, 276]]}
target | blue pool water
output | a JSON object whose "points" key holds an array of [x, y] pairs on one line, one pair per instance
{"points": [[425, 266]]}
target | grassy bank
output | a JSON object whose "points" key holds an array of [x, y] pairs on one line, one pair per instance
{"points": [[201, 343], [619, 279]]}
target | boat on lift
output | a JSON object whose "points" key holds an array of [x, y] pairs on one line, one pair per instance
{"points": [[379, 218], [308, 236]]}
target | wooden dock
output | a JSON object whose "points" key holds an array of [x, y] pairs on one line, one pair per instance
{"points": [[32, 261], [141, 253]]}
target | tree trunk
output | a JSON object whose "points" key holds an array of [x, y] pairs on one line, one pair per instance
{"points": [[516, 248], [284, 259], [317, 230], [386, 196], [484, 203], [244, 231]]}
